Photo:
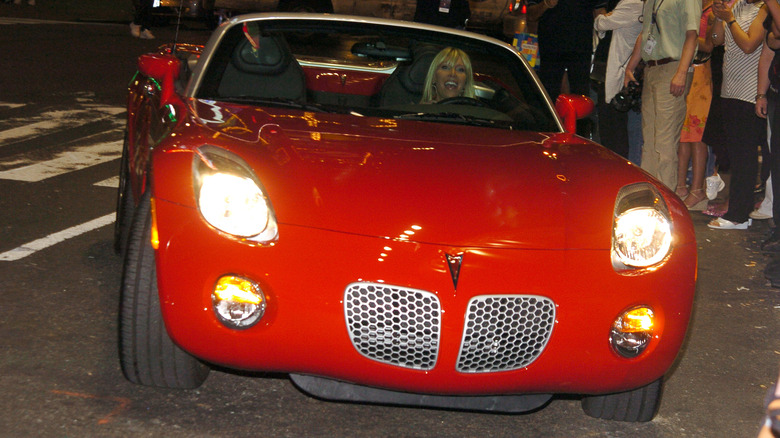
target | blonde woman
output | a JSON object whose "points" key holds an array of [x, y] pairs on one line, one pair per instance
{"points": [[450, 75]]}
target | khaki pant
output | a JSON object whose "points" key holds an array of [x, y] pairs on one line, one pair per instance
{"points": [[663, 115]]}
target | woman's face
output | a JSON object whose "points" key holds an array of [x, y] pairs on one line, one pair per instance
{"points": [[450, 79]]}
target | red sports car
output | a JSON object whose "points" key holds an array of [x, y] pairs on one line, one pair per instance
{"points": [[390, 212]]}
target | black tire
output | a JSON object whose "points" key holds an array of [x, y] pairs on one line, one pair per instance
{"points": [[638, 405], [125, 205], [148, 355]]}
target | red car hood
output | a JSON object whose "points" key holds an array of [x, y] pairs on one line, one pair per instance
{"points": [[448, 184]]}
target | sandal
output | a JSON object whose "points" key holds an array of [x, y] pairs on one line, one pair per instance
{"points": [[682, 192], [723, 224], [694, 198]]}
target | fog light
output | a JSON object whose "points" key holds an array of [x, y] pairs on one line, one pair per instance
{"points": [[239, 303], [632, 331]]}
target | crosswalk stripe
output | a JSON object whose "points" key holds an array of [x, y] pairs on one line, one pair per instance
{"points": [[67, 161], [8, 105], [53, 121], [52, 239], [12, 20], [112, 182]]}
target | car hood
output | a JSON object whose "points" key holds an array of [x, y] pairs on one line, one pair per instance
{"points": [[447, 184]]}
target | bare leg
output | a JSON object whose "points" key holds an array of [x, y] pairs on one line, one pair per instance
{"points": [[683, 157], [699, 163]]}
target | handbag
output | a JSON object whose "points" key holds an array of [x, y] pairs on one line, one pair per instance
{"points": [[701, 57]]}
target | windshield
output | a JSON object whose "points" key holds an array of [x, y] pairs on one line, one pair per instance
{"points": [[374, 70]]}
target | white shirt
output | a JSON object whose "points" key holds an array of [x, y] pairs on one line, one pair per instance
{"points": [[624, 23]]}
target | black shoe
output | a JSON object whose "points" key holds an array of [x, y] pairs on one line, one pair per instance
{"points": [[772, 243]]}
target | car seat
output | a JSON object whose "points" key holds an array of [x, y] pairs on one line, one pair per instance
{"points": [[270, 71], [405, 85]]}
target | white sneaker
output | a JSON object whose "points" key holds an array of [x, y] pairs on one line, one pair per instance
{"points": [[146, 35], [760, 215], [135, 30], [723, 224], [714, 185]]}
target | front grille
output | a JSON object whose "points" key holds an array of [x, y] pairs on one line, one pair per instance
{"points": [[504, 332], [393, 325]]}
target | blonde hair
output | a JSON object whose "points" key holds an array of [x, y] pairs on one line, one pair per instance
{"points": [[448, 56]]}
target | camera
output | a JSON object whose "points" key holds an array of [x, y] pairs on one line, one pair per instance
{"points": [[630, 97]]}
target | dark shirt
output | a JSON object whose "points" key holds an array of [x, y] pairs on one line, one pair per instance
{"points": [[774, 72], [427, 11], [568, 27]]}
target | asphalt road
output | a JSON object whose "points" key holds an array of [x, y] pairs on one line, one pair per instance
{"points": [[62, 90]]}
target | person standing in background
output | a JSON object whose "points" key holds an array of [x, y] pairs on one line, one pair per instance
{"points": [[735, 124], [667, 44], [692, 150], [565, 29], [142, 20], [448, 13], [623, 22]]}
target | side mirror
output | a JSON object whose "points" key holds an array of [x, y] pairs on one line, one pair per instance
{"points": [[571, 107], [162, 68]]}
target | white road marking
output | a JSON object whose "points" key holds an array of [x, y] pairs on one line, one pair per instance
{"points": [[53, 121], [11, 20], [67, 161], [55, 238], [112, 182], [8, 105], [84, 154]]}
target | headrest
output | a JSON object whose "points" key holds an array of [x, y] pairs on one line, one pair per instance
{"points": [[270, 58], [413, 77]]}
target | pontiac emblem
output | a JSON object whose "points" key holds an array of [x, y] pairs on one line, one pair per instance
{"points": [[454, 262]]}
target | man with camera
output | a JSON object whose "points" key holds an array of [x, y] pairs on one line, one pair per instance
{"points": [[667, 44], [619, 117]]}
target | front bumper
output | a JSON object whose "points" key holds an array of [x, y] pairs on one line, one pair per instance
{"points": [[305, 274]]}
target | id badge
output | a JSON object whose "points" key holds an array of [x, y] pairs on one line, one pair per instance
{"points": [[650, 44], [444, 6]]}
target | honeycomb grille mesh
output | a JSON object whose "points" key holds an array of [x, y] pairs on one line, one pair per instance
{"points": [[504, 332], [393, 325]]}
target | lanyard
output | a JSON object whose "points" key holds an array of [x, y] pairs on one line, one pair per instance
{"points": [[654, 19]]}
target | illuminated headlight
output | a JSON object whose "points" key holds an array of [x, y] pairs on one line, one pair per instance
{"points": [[642, 230], [632, 331], [238, 302], [230, 199]]}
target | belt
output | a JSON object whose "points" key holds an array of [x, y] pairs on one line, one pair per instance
{"points": [[659, 62]]}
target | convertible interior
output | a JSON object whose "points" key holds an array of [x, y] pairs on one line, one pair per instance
{"points": [[370, 74]]}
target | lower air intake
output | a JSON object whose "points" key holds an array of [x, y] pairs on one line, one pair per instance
{"points": [[393, 325], [504, 332]]}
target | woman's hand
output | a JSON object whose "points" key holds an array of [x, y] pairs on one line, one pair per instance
{"points": [[722, 11], [761, 105]]}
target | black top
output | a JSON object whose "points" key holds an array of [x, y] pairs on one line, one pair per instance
{"points": [[568, 27], [450, 13]]}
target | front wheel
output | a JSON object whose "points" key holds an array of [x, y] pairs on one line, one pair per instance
{"points": [[148, 355], [637, 405], [124, 205]]}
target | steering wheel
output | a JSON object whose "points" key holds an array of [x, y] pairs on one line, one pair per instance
{"points": [[462, 100]]}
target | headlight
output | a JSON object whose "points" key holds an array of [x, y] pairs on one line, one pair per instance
{"points": [[642, 228], [230, 198]]}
